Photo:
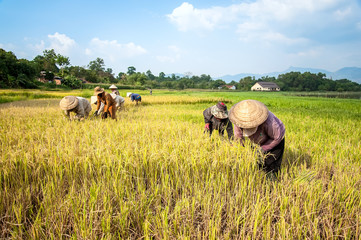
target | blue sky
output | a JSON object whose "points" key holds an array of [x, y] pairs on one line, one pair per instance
{"points": [[196, 37]]}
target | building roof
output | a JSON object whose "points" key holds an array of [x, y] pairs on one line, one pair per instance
{"points": [[268, 84], [228, 86]]}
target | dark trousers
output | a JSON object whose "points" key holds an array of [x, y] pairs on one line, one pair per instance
{"points": [[273, 158]]}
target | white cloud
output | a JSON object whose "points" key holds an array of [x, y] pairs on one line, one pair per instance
{"points": [[308, 53], [60, 43], [40, 47], [340, 14], [251, 31], [186, 17], [165, 59], [173, 55], [280, 38], [174, 48], [269, 20], [88, 52], [248, 31], [114, 50], [8, 47]]}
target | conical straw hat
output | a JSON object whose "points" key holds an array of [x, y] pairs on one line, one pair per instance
{"points": [[113, 87], [98, 90], [68, 102], [248, 114]]}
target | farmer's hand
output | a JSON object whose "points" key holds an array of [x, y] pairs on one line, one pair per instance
{"points": [[262, 151], [96, 113], [105, 115], [206, 126]]}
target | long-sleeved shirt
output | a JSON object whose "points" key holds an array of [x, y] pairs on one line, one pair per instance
{"points": [[268, 135], [82, 110], [218, 124], [116, 92], [135, 96], [118, 99], [107, 100]]}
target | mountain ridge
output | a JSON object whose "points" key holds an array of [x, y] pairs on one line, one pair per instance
{"points": [[350, 73]]}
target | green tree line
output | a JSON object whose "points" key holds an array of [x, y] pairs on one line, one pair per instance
{"points": [[297, 81], [22, 73]]}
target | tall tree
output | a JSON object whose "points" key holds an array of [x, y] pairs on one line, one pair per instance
{"points": [[131, 70], [150, 75], [97, 65], [62, 62], [161, 76], [109, 70], [47, 61]]}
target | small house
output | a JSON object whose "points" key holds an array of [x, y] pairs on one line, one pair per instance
{"points": [[230, 87], [42, 77], [57, 80], [265, 86]]}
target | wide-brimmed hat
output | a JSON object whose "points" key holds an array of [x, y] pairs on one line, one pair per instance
{"points": [[219, 110], [113, 87], [98, 90], [68, 102], [248, 114], [129, 93]]}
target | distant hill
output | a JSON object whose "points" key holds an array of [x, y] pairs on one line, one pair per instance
{"points": [[350, 73]]}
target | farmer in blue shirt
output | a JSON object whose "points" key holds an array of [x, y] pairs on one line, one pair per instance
{"points": [[135, 97]]}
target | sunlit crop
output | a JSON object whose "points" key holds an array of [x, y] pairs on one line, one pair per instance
{"points": [[154, 174]]}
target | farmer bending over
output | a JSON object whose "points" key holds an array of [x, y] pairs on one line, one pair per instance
{"points": [[216, 118], [119, 103], [252, 119], [80, 106], [114, 89], [107, 100], [135, 97]]}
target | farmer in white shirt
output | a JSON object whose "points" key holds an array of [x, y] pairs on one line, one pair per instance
{"points": [[79, 105], [114, 89]]}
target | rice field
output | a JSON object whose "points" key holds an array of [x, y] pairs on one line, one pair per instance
{"points": [[153, 174]]}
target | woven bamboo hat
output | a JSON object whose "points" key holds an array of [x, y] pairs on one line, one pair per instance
{"points": [[98, 90], [219, 110], [113, 87], [248, 114], [68, 102]]}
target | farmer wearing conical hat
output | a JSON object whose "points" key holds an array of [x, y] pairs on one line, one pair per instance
{"points": [[216, 118], [252, 119], [119, 103], [80, 106], [114, 89], [107, 100]]}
